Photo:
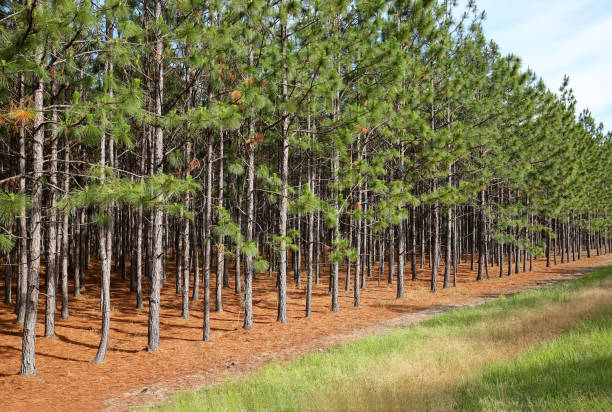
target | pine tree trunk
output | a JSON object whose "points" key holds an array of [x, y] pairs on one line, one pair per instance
{"points": [[413, 263], [335, 305], [391, 272], [311, 238], [456, 252], [347, 280], [22, 290], [237, 269], [318, 245], [248, 259], [105, 236], [435, 254], [206, 245], [28, 354], [139, 259], [401, 259], [187, 265], [281, 315], [178, 254], [52, 228], [482, 238], [449, 225], [157, 272], [78, 251], [65, 232], [447, 259], [381, 257], [195, 251], [8, 279], [220, 245]]}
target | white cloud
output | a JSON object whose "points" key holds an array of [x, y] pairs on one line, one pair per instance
{"points": [[558, 38]]}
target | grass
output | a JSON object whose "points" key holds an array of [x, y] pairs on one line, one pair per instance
{"points": [[572, 372], [546, 349]]}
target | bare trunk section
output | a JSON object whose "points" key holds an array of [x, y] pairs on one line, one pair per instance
{"points": [[22, 289], [28, 354], [50, 306], [186, 242], [105, 237], [206, 249], [220, 245], [435, 254], [311, 235], [284, 198], [157, 272], [482, 238], [413, 262], [65, 232], [237, 263]]}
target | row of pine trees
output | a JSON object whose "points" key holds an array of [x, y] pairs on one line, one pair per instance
{"points": [[314, 141]]}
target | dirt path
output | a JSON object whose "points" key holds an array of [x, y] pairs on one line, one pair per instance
{"points": [[132, 376]]}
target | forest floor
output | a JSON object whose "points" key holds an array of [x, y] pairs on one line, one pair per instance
{"points": [[131, 376]]}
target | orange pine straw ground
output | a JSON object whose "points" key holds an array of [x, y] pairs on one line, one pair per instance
{"points": [[68, 381]]}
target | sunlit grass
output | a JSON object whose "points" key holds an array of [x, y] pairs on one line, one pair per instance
{"points": [[572, 372], [478, 358]]}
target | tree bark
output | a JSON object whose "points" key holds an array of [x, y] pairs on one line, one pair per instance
{"points": [[28, 354], [220, 245], [22, 290], [158, 215]]}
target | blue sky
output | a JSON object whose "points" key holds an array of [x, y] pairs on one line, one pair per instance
{"points": [[554, 38]]}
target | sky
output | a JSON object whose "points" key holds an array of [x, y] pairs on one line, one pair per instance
{"points": [[558, 37]]}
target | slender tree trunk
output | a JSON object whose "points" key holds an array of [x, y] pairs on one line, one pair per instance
{"points": [[311, 240], [178, 254], [473, 238], [284, 198], [237, 269], [28, 355], [248, 260], [449, 229], [8, 279], [347, 279], [248, 277], [78, 251], [207, 249], [381, 257], [335, 305], [482, 238], [391, 254], [456, 252], [187, 266], [22, 290], [65, 232], [413, 263], [105, 235], [436, 244], [448, 238], [401, 259], [52, 227], [195, 251], [220, 245], [311, 229], [422, 232], [547, 234], [157, 272]]}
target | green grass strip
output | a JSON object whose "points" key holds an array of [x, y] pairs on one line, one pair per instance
{"points": [[447, 362]]}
